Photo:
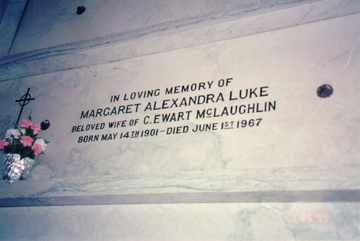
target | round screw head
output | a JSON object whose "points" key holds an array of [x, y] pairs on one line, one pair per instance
{"points": [[45, 125], [80, 10], [325, 91]]}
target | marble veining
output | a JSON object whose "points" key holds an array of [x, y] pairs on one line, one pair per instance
{"points": [[157, 39], [125, 19], [294, 177], [291, 69], [256, 180], [232, 221]]}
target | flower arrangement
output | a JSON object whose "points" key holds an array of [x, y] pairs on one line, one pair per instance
{"points": [[25, 141]]}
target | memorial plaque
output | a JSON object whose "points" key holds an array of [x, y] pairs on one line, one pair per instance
{"points": [[253, 134], [286, 98]]}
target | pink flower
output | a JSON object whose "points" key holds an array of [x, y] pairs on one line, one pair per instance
{"points": [[26, 141], [42, 143], [37, 149], [35, 128], [25, 123], [2, 144]]}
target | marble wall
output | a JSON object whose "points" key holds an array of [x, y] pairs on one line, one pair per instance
{"points": [[246, 221], [276, 162]]}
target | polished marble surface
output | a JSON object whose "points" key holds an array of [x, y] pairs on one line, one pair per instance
{"points": [[10, 17], [45, 24], [303, 131], [314, 196], [255, 180], [230, 184], [233, 221], [155, 39], [286, 66]]}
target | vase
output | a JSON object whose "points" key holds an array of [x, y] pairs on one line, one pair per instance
{"points": [[15, 168]]}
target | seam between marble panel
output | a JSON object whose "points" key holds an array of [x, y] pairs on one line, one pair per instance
{"points": [[316, 196]]}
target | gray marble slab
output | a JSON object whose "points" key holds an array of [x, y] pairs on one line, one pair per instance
{"points": [[10, 17], [299, 133], [317, 196], [46, 23], [223, 221], [293, 177], [170, 36]]}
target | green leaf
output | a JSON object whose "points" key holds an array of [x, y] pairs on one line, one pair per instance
{"points": [[7, 149], [27, 152], [13, 146]]}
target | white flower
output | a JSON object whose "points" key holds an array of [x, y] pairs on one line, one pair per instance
{"points": [[12, 133], [41, 143]]}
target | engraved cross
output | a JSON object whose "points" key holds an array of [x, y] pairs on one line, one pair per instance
{"points": [[24, 100]]}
